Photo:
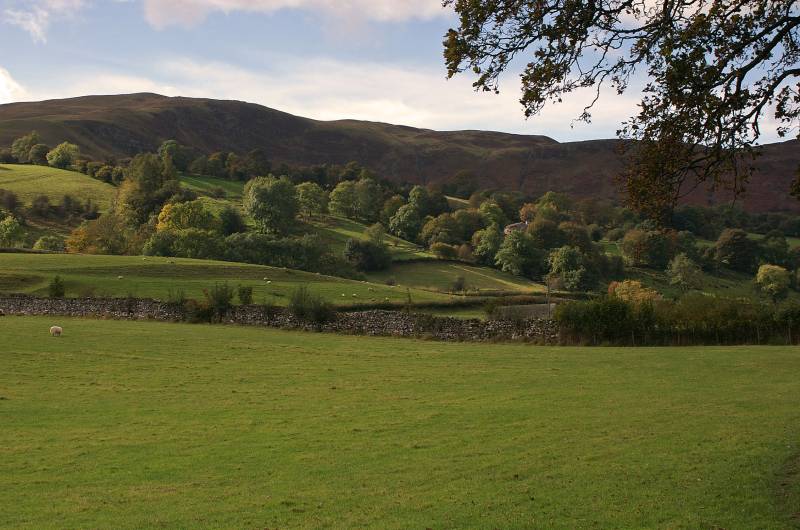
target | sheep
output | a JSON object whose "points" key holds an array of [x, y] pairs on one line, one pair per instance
{"points": [[56, 331]]}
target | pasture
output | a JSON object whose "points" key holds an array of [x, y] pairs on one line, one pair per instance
{"points": [[28, 182], [141, 425], [437, 275], [154, 277]]}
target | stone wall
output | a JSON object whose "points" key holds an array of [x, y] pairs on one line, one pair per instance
{"points": [[375, 323]]}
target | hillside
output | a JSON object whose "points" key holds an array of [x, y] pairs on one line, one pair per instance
{"points": [[28, 182], [124, 125]]}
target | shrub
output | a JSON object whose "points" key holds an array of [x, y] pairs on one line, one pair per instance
{"points": [[51, 243], [219, 300], [310, 307], [459, 284], [245, 294], [56, 289], [773, 281], [366, 255], [445, 251]]}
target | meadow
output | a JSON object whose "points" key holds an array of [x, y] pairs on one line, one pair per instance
{"points": [[141, 425], [28, 182], [438, 275], [154, 277]]}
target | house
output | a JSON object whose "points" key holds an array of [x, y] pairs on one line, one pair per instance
{"points": [[516, 227]]}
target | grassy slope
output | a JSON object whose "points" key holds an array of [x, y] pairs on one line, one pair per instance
{"points": [[439, 276], [204, 185], [30, 181], [337, 230], [155, 277], [140, 425]]}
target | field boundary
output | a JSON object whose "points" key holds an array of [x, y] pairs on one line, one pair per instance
{"points": [[371, 323]]}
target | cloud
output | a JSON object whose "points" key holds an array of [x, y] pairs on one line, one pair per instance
{"points": [[34, 16], [329, 89], [163, 13], [10, 90]]}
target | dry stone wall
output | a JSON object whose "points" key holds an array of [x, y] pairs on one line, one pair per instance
{"points": [[374, 323]]}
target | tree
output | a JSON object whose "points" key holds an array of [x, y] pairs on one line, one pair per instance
{"points": [[38, 154], [369, 198], [21, 147], [546, 234], [648, 248], [715, 70], [390, 207], [344, 200], [367, 256], [486, 243], [492, 213], [144, 189], [735, 250], [406, 223], [775, 248], [519, 255], [272, 203], [230, 221], [468, 221], [311, 198], [684, 273], [11, 232], [773, 281], [108, 234], [63, 155], [184, 215], [573, 271], [376, 234], [441, 229]]}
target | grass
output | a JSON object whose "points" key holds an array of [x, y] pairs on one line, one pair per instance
{"points": [[144, 425], [337, 230], [151, 277], [29, 182], [204, 185], [439, 276]]}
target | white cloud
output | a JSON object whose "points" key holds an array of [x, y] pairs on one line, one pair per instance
{"points": [[10, 90], [328, 89], [163, 13], [34, 16]]}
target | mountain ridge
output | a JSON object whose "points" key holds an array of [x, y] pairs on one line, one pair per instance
{"points": [[123, 125]]}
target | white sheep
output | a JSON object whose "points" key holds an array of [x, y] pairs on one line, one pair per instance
{"points": [[56, 331]]}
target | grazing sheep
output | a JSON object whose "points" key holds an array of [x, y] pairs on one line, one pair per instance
{"points": [[56, 331]]}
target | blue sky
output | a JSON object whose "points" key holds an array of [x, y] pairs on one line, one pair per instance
{"points": [[326, 59]]}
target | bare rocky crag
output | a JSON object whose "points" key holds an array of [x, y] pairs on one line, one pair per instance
{"points": [[372, 323]]}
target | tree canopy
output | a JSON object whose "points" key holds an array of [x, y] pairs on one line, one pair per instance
{"points": [[716, 70]]}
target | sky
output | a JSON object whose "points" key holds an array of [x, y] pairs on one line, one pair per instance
{"points": [[378, 60]]}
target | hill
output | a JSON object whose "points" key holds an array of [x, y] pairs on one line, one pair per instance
{"points": [[28, 182], [121, 126]]}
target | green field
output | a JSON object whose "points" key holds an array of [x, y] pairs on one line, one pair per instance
{"points": [[337, 230], [204, 185], [439, 276], [29, 182], [144, 425], [151, 277]]}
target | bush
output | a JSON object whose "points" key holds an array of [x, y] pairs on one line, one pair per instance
{"points": [[367, 256], [245, 294], [219, 300], [459, 284], [310, 307], [51, 243], [445, 251], [57, 289]]}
